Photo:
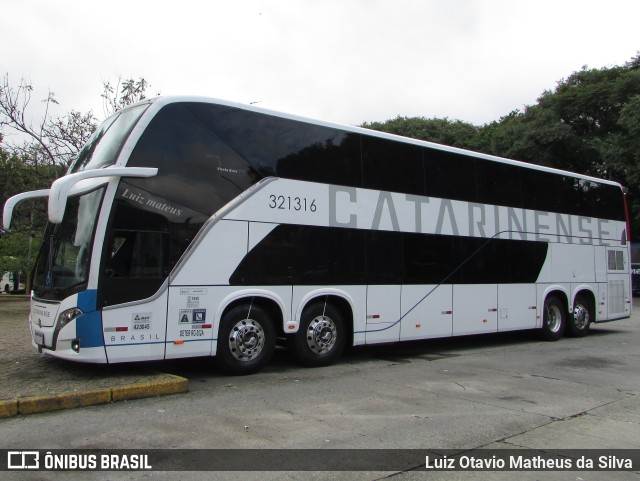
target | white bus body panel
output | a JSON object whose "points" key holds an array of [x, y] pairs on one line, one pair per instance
{"points": [[516, 307], [144, 337], [383, 314], [216, 256], [426, 317], [572, 263], [475, 309]]}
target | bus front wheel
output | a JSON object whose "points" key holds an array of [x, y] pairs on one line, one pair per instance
{"points": [[246, 340], [321, 337], [553, 319]]}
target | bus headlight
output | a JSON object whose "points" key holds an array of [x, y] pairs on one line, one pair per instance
{"points": [[67, 316]]}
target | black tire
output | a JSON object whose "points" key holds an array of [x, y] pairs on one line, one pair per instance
{"points": [[579, 321], [554, 319], [321, 337], [246, 340]]}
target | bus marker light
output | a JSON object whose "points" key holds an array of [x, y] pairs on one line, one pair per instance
{"points": [[179, 341], [418, 326], [207, 326], [291, 328], [122, 329]]}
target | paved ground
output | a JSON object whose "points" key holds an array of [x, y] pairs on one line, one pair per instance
{"points": [[506, 391], [30, 382]]}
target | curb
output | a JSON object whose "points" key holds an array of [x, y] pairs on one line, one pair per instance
{"points": [[38, 404]]}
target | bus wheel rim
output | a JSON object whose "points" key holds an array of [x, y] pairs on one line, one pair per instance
{"points": [[246, 340], [580, 316], [321, 335], [554, 318]]}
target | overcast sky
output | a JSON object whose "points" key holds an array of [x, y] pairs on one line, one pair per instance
{"points": [[346, 61]]}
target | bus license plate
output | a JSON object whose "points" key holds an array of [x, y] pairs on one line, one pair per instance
{"points": [[39, 338]]}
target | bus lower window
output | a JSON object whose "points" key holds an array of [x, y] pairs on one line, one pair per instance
{"points": [[138, 254]]}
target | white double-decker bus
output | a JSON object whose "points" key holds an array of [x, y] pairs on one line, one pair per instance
{"points": [[197, 227]]}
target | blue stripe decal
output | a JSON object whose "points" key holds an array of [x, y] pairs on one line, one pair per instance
{"points": [[135, 344], [89, 325], [89, 329], [87, 300]]}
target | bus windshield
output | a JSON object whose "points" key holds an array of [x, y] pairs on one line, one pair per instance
{"points": [[103, 147], [63, 262]]}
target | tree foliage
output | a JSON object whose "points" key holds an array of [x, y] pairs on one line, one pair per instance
{"points": [[442, 131]]}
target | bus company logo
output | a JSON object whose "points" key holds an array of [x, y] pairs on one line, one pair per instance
{"points": [[23, 460], [141, 321]]}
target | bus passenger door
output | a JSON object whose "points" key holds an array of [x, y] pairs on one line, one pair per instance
{"points": [[383, 314], [475, 309]]}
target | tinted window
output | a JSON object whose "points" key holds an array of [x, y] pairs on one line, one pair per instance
{"points": [[305, 255], [335, 161], [541, 191], [196, 168], [430, 259], [392, 166], [384, 257], [450, 176], [498, 183], [274, 146]]}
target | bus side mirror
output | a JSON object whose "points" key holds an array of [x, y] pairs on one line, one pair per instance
{"points": [[11, 203], [61, 188]]}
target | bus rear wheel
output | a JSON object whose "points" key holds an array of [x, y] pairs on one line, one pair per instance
{"points": [[553, 319], [578, 323], [246, 340], [321, 337]]}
